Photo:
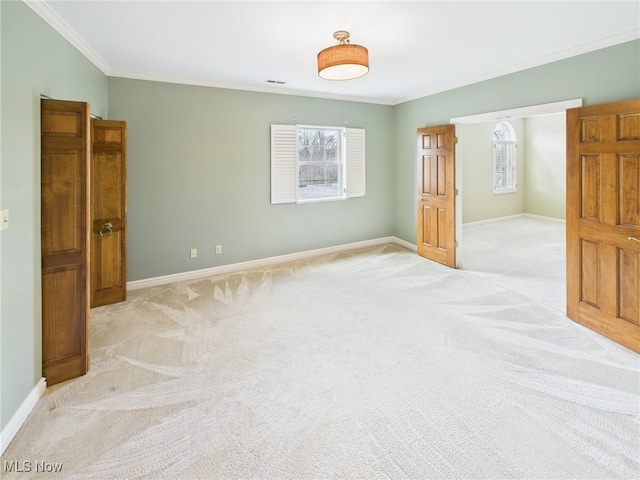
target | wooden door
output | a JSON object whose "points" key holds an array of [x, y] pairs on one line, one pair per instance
{"points": [[65, 247], [603, 219], [436, 194], [108, 212]]}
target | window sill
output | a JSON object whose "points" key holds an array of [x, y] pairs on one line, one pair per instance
{"points": [[320, 200]]}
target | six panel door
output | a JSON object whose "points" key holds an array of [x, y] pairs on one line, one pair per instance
{"points": [[603, 219], [436, 194]]}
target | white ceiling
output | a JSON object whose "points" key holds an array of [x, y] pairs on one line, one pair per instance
{"points": [[415, 48]]}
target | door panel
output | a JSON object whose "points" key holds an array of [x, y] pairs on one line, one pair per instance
{"points": [[108, 212], [628, 268], [603, 219], [64, 231], [436, 194]]}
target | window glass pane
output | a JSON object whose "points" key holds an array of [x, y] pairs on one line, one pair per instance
{"points": [[504, 131], [319, 163]]}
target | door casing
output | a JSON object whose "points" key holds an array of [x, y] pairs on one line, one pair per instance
{"points": [[461, 157]]}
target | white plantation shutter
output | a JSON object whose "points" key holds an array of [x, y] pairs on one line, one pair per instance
{"points": [[510, 166], [505, 172], [504, 167], [284, 170], [284, 183], [355, 162]]}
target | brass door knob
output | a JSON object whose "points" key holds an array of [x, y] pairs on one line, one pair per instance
{"points": [[106, 229]]}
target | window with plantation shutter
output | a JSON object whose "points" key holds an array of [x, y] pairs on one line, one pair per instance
{"points": [[504, 158], [311, 164]]}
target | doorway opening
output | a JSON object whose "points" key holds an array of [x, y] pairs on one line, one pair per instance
{"points": [[516, 239]]}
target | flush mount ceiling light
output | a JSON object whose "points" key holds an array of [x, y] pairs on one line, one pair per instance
{"points": [[343, 61]]}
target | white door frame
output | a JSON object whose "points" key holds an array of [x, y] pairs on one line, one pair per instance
{"points": [[521, 112]]}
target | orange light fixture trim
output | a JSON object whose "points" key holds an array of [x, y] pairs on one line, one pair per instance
{"points": [[343, 61]]}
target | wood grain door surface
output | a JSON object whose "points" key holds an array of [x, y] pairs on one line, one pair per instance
{"points": [[436, 194], [603, 219], [65, 239], [108, 212]]}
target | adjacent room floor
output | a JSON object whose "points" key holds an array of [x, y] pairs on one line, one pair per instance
{"points": [[524, 254]]}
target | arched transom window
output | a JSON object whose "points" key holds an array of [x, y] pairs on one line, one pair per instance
{"points": [[504, 158]]}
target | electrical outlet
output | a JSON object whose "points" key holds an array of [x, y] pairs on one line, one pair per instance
{"points": [[4, 219], [218, 249], [194, 252]]}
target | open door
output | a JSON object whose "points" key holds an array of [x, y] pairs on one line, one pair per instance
{"points": [[108, 212], [436, 194], [603, 219], [65, 239]]}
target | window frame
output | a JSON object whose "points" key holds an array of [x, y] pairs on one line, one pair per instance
{"points": [[341, 161]]}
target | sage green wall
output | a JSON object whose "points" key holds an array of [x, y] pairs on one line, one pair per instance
{"points": [[35, 60], [545, 165], [606, 75], [478, 200], [199, 176]]}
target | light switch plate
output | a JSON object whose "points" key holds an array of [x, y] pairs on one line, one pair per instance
{"points": [[4, 219]]}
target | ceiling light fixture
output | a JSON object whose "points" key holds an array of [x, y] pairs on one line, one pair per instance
{"points": [[343, 61]]}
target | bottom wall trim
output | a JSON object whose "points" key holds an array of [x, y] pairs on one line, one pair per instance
{"points": [[234, 267], [11, 429], [511, 217], [542, 217], [405, 244]]}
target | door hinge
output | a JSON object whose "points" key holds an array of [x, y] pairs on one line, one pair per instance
{"points": [[455, 139], [456, 192], [455, 243]]}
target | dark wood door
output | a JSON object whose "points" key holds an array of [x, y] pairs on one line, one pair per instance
{"points": [[108, 212], [436, 194], [603, 219], [65, 239]]}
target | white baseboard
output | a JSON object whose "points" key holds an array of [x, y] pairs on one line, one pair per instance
{"points": [[511, 217], [548, 219], [403, 243], [234, 267], [11, 429], [492, 220]]}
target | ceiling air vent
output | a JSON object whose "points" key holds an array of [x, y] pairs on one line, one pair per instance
{"points": [[276, 82]]}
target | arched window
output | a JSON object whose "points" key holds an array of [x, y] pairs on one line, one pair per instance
{"points": [[504, 158]]}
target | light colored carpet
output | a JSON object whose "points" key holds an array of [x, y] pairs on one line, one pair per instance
{"points": [[524, 254], [370, 364]]}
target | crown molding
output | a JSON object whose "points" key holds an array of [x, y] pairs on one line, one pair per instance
{"points": [[248, 88], [44, 11], [536, 62]]}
